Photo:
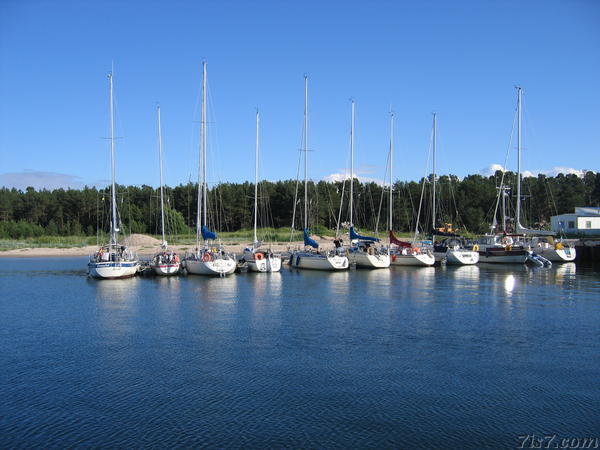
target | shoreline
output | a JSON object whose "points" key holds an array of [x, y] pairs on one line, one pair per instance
{"points": [[143, 252]]}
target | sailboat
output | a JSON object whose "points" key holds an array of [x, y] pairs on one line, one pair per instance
{"points": [[363, 252], [404, 253], [311, 257], [165, 262], [258, 260], [510, 248], [542, 241], [113, 260], [449, 249], [209, 259]]}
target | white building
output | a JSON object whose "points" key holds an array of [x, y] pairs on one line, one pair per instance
{"points": [[585, 220]]}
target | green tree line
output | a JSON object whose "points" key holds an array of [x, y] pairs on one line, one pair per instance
{"points": [[468, 203]]}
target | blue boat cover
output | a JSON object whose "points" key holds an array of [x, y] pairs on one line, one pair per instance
{"points": [[207, 234], [309, 241], [354, 235]]}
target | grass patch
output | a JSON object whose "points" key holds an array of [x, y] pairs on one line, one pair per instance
{"points": [[47, 241]]}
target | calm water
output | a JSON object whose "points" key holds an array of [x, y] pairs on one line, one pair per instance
{"points": [[408, 357]]}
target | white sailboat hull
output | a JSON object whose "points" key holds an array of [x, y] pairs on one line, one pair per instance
{"points": [[518, 258], [166, 269], [557, 255], [302, 260], [272, 264], [113, 270], [362, 259], [418, 259], [216, 267], [458, 257]]}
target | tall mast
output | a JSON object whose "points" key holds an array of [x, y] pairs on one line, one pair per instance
{"points": [[256, 179], [203, 127], [200, 164], [305, 152], [503, 190], [160, 161], [518, 218], [113, 229], [391, 165], [352, 164], [433, 193]]}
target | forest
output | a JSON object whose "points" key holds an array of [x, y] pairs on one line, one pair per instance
{"points": [[468, 203]]}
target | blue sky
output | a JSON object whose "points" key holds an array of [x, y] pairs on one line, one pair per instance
{"points": [[461, 59]]}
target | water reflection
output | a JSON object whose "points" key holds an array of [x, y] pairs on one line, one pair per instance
{"points": [[565, 272], [168, 292], [117, 302], [380, 281], [214, 290], [116, 293], [509, 284], [467, 274], [335, 282]]}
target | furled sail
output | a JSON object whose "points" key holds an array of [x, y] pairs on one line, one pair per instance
{"points": [[399, 243], [309, 241], [354, 235], [207, 234], [522, 230]]}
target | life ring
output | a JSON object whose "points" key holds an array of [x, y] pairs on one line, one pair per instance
{"points": [[370, 251], [416, 250], [559, 246], [259, 256], [206, 257], [476, 248]]}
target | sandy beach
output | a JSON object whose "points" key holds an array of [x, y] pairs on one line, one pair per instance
{"points": [[146, 246]]}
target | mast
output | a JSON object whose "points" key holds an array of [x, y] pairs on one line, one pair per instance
{"points": [[391, 165], [518, 227], [433, 193], [518, 218], [160, 161], [113, 228], [200, 164], [351, 163], [503, 190], [256, 180], [306, 152], [203, 127]]}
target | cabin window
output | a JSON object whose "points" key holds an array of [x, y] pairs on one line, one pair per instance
{"points": [[571, 224], [588, 224]]}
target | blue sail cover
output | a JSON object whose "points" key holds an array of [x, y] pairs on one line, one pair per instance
{"points": [[309, 241], [207, 234], [354, 235]]}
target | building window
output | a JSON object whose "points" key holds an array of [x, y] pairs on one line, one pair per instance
{"points": [[588, 224], [571, 224]]}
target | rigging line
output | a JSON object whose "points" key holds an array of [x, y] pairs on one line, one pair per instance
{"points": [[423, 186], [296, 196], [383, 192], [500, 191], [339, 221]]}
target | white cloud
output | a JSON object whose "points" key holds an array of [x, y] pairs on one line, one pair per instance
{"points": [[41, 180], [492, 168], [566, 170], [359, 174]]}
